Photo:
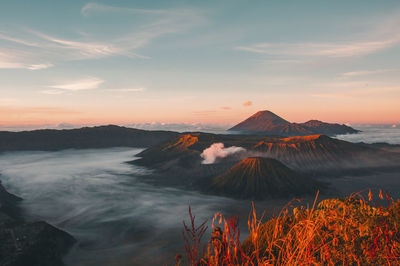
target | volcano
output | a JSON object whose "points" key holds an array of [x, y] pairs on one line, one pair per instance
{"points": [[258, 177], [268, 123], [322, 152], [261, 121]]}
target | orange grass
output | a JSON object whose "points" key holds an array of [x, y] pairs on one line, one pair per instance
{"points": [[349, 231]]}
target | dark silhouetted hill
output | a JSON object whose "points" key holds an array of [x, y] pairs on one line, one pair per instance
{"points": [[28, 243], [82, 138], [319, 127]]}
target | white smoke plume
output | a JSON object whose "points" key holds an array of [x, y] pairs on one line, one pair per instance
{"points": [[218, 150]]}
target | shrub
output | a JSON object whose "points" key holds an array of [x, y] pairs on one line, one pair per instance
{"points": [[349, 231]]}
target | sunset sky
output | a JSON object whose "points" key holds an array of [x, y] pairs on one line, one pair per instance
{"points": [[176, 61]]}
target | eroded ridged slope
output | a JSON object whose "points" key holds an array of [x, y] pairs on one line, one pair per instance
{"points": [[318, 151], [258, 177]]}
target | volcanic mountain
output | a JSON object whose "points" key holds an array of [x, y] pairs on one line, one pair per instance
{"points": [[178, 148], [322, 152], [188, 146], [268, 123], [178, 162], [301, 153], [261, 121], [258, 177]]}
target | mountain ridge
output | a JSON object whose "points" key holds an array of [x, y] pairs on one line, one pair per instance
{"points": [[82, 138], [271, 124]]}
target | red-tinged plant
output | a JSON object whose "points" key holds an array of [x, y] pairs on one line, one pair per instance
{"points": [[192, 236], [224, 247]]}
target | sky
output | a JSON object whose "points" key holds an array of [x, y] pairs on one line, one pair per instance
{"points": [[216, 62]]}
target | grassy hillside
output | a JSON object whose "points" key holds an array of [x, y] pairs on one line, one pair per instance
{"points": [[349, 231]]}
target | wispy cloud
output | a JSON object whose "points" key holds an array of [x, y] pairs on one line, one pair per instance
{"points": [[17, 40], [83, 49], [39, 66], [88, 83], [91, 8], [14, 60], [331, 50], [384, 35], [52, 92], [368, 72], [128, 90], [34, 50]]}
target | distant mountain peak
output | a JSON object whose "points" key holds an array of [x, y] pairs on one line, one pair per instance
{"points": [[269, 123], [263, 113], [269, 116], [261, 121]]}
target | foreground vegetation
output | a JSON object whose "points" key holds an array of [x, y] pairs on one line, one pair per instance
{"points": [[349, 231]]}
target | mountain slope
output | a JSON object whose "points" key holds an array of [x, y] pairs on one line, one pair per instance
{"points": [[28, 243], [187, 145], [323, 152], [177, 149], [303, 153], [291, 129], [261, 121], [258, 177], [320, 127]]}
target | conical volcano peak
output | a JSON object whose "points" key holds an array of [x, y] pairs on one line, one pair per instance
{"points": [[261, 121], [267, 115]]}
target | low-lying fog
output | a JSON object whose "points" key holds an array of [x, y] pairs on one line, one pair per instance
{"points": [[374, 133], [95, 196]]}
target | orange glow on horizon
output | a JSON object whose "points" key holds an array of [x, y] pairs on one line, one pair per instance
{"points": [[41, 116]]}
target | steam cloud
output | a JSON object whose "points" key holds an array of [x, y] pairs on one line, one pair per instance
{"points": [[217, 150]]}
